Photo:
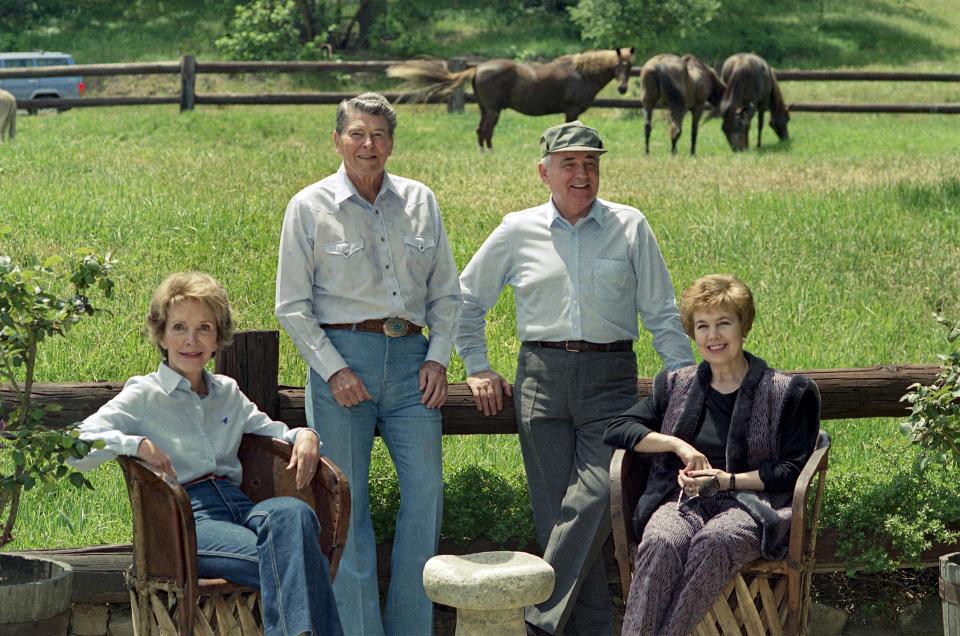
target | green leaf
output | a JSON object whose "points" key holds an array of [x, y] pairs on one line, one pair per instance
{"points": [[77, 480], [52, 261]]}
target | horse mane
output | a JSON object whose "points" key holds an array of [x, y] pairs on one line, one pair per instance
{"points": [[592, 62], [731, 96]]}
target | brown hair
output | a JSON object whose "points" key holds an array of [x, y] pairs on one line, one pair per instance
{"points": [[718, 291], [189, 286]]}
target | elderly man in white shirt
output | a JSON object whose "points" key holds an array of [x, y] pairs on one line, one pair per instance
{"points": [[581, 269], [364, 266]]}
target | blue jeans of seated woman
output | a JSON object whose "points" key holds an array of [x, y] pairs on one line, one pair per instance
{"points": [[273, 545], [389, 368]]}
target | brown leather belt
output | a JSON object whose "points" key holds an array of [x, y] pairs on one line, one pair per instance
{"points": [[392, 327], [201, 478], [578, 346]]}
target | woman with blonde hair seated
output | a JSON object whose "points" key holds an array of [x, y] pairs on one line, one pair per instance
{"points": [[728, 439], [187, 422]]}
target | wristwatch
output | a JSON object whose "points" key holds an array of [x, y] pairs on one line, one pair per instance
{"points": [[732, 484]]}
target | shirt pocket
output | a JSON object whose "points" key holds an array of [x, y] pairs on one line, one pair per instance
{"points": [[610, 278], [418, 253], [345, 261], [343, 248]]}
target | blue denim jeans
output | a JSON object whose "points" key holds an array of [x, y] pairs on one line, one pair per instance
{"points": [[389, 368], [273, 545]]}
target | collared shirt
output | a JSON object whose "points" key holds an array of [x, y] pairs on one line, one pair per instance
{"points": [[345, 260], [200, 434], [573, 282]]}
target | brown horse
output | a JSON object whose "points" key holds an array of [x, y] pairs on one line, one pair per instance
{"points": [[566, 85], [680, 84], [751, 87]]}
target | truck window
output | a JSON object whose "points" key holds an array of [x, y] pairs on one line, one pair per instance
{"points": [[52, 61], [18, 63]]}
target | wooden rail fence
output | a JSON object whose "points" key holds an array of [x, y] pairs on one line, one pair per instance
{"points": [[188, 68]]}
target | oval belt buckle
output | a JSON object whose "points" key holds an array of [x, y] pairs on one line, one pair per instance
{"points": [[394, 327]]}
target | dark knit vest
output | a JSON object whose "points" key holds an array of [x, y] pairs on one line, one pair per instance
{"points": [[765, 398]]}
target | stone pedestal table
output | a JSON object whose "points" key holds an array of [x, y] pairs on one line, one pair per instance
{"points": [[488, 589]]}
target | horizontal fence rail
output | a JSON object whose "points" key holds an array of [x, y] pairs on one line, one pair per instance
{"points": [[254, 361], [188, 67]]}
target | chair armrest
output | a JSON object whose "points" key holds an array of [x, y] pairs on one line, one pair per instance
{"points": [[803, 530], [265, 475], [628, 479], [164, 536]]}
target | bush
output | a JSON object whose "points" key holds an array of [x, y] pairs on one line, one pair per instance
{"points": [[891, 505], [478, 503]]}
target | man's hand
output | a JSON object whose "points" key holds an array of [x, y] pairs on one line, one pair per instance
{"points": [[433, 384], [347, 388], [305, 457], [148, 452], [488, 389]]}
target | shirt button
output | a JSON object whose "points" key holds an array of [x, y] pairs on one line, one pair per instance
{"points": [[394, 293], [386, 267], [382, 239]]}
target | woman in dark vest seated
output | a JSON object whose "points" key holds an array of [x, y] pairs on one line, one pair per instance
{"points": [[727, 439]]}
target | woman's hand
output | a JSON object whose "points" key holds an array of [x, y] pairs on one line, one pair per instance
{"points": [[305, 456], [148, 452], [693, 480], [692, 458]]}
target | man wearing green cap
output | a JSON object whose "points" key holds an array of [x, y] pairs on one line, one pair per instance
{"points": [[581, 269]]}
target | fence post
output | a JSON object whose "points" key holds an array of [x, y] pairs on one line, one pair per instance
{"points": [[457, 99], [253, 360], [188, 82]]}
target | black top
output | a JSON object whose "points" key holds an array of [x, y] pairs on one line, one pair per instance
{"points": [[712, 432]]}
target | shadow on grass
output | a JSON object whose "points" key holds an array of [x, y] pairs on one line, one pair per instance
{"points": [[794, 34]]}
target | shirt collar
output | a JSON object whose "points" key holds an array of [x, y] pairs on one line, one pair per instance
{"points": [[170, 380], [595, 213], [343, 187]]}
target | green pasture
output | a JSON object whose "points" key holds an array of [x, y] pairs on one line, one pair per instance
{"points": [[848, 235]]}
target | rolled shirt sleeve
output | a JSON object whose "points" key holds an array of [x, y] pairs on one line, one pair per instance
{"points": [[656, 302]]}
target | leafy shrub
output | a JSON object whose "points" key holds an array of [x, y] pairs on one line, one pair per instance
{"points": [[934, 422], [263, 30], [478, 502], [891, 505]]}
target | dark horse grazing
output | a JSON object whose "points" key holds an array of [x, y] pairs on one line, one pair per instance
{"points": [[751, 87], [566, 85], [680, 84]]}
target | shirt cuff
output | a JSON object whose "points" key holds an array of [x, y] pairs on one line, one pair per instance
{"points": [[476, 362], [439, 350]]}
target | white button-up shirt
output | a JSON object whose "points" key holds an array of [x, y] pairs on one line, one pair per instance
{"points": [[200, 434], [573, 282], [345, 260]]}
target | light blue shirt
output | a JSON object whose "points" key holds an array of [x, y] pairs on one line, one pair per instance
{"points": [[573, 282], [345, 260], [200, 434]]}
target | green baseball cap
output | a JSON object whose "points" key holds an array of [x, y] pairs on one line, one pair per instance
{"points": [[570, 137]]}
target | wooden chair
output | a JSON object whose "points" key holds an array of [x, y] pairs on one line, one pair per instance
{"points": [[166, 596], [764, 597]]}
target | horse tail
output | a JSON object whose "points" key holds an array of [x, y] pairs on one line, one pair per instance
{"points": [[675, 98], [718, 88], [425, 78]]}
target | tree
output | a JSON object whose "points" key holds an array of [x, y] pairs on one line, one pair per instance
{"points": [[640, 22]]}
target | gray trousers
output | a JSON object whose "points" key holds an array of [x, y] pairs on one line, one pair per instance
{"points": [[564, 401]]}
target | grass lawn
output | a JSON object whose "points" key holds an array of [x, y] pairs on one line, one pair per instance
{"points": [[847, 235]]}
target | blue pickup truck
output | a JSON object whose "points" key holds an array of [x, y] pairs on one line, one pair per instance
{"points": [[40, 87]]}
